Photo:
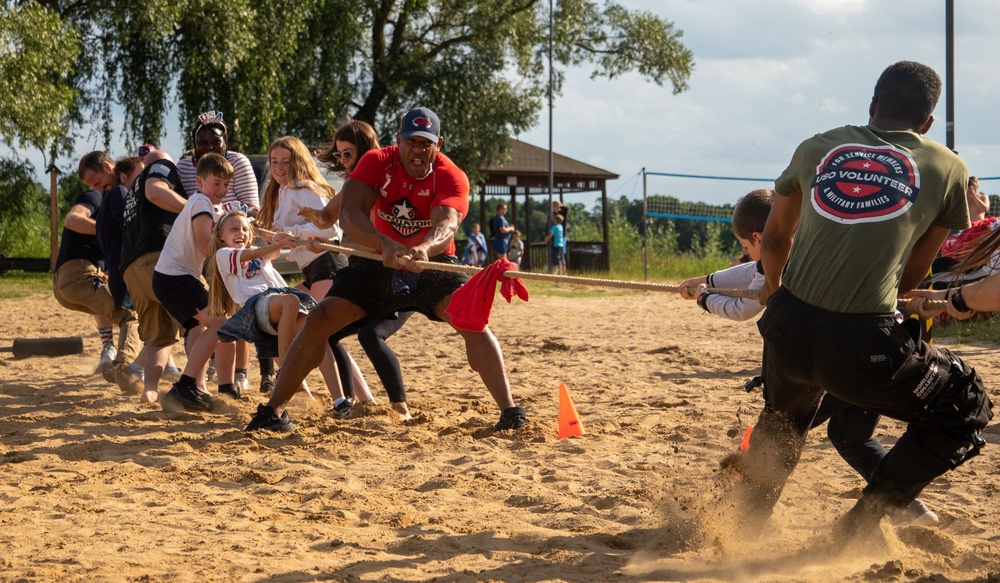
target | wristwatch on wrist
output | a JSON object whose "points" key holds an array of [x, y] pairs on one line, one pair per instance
{"points": [[958, 301], [702, 297]]}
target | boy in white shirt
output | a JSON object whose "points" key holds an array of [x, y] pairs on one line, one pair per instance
{"points": [[180, 288]]}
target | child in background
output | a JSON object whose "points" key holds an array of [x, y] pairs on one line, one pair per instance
{"points": [[475, 248], [267, 311], [851, 429], [179, 287], [516, 248], [558, 238]]}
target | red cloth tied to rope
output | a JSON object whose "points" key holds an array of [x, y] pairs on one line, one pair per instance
{"points": [[471, 304]]}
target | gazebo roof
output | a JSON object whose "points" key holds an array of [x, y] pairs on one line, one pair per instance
{"points": [[530, 165]]}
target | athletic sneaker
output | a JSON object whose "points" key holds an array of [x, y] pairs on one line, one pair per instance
{"points": [[920, 514], [211, 373], [171, 374], [267, 419], [267, 384], [109, 374], [108, 354], [190, 398], [511, 418], [128, 379], [241, 383], [342, 409]]}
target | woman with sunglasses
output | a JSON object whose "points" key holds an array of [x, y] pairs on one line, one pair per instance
{"points": [[350, 142]]}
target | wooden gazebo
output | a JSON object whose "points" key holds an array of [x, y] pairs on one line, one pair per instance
{"points": [[526, 175]]}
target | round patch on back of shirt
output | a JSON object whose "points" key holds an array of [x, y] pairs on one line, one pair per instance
{"points": [[857, 183]]}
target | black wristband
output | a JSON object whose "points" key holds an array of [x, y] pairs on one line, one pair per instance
{"points": [[702, 297], [958, 301]]}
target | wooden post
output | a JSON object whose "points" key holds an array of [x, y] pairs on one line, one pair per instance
{"points": [[605, 225], [53, 217]]}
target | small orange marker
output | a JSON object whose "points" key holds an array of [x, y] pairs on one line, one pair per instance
{"points": [[569, 420], [745, 443]]}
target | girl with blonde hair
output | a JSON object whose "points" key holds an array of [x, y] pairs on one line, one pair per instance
{"points": [[295, 183]]}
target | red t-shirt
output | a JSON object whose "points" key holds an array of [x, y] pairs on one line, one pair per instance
{"points": [[402, 210]]}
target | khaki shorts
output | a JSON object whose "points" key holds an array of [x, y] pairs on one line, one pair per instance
{"points": [[79, 285], [156, 327]]}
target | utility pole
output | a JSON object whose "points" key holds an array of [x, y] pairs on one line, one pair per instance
{"points": [[949, 73]]}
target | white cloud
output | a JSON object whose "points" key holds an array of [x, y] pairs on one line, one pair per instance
{"points": [[834, 7]]}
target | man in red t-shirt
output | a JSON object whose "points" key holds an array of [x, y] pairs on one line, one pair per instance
{"points": [[405, 202]]}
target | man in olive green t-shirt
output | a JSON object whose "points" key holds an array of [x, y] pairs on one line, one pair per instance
{"points": [[869, 207]]}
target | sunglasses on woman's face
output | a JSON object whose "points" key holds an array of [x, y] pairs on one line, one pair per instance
{"points": [[343, 155]]}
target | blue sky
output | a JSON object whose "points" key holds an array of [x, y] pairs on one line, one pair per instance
{"points": [[772, 73], [768, 74]]}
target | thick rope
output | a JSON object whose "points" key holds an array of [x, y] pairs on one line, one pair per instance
{"points": [[591, 281], [928, 304], [472, 270]]}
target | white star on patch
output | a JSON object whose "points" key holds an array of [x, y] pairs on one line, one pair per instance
{"points": [[404, 211], [868, 165], [856, 190]]}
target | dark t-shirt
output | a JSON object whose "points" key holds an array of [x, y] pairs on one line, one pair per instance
{"points": [[109, 237], [78, 245], [145, 226]]}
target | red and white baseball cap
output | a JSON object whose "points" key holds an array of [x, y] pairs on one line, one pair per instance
{"points": [[143, 150]]}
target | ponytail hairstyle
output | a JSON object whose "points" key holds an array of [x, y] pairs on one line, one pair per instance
{"points": [[220, 303], [302, 173], [979, 256]]}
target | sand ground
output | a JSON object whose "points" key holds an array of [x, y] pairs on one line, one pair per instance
{"points": [[96, 487]]}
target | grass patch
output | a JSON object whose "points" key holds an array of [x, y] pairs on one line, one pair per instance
{"points": [[970, 332], [21, 284]]}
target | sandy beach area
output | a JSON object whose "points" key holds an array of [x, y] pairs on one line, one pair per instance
{"points": [[97, 487]]}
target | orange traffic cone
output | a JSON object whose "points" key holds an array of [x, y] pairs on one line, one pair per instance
{"points": [[569, 420], [745, 443]]}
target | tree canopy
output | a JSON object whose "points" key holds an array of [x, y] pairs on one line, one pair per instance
{"points": [[276, 68], [37, 53]]}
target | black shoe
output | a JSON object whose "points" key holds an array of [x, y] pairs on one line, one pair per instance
{"points": [[267, 419], [231, 391], [511, 418], [267, 384], [189, 398]]}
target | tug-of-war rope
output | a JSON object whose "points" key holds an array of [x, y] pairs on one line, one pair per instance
{"points": [[590, 281]]}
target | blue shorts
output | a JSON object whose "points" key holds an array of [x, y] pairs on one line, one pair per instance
{"points": [[558, 256]]}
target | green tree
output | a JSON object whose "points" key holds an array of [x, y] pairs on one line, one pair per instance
{"points": [[38, 50], [274, 68], [24, 223]]}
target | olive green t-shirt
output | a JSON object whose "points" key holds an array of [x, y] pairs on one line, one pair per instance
{"points": [[868, 195]]}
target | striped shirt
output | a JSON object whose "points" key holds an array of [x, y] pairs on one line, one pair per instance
{"points": [[242, 188]]}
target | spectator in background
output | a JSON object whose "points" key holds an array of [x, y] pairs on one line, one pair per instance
{"points": [[558, 239], [516, 250], [501, 230], [475, 248], [559, 210]]}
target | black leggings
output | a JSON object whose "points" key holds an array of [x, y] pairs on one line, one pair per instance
{"points": [[372, 338]]}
